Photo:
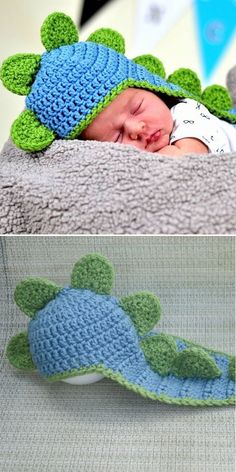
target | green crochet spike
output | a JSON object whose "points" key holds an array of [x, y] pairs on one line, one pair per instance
{"points": [[58, 30], [194, 362], [152, 63], [187, 79], [18, 352], [29, 134], [217, 97], [18, 72], [232, 369], [110, 38], [33, 294], [93, 272], [144, 310], [160, 351]]}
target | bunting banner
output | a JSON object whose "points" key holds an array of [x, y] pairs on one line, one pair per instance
{"points": [[216, 24], [153, 19], [89, 9]]}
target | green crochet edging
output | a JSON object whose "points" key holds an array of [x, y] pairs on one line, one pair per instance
{"points": [[32, 294], [144, 310], [144, 392], [141, 390], [93, 272]]}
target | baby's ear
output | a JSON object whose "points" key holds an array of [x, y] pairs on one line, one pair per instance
{"points": [[32, 294]]}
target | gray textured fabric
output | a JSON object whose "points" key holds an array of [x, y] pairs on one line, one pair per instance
{"points": [[104, 427], [91, 187]]}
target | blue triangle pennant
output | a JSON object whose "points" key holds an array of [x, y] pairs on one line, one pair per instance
{"points": [[216, 23]]}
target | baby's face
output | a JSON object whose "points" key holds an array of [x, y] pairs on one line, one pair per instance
{"points": [[136, 117]]}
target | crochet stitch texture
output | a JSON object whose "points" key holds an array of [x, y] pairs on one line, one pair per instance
{"points": [[82, 329], [71, 83]]}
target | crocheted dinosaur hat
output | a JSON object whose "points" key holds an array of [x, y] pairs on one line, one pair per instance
{"points": [[81, 329], [68, 85]]}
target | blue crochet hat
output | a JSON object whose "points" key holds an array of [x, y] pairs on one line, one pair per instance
{"points": [[69, 85], [82, 329]]}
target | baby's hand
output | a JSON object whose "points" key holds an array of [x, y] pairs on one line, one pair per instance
{"points": [[184, 146]]}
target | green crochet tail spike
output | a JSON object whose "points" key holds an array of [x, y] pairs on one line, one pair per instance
{"points": [[144, 310], [93, 272], [29, 134], [110, 38], [187, 79], [232, 369], [215, 97], [32, 294], [18, 352], [194, 362], [160, 351], [18, 72], [152, 63], [58, 30]]}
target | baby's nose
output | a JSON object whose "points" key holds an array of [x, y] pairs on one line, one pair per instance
{"points": [[136, 129]]}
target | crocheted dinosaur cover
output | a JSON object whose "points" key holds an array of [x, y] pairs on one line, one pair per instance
{"points": [[68, 85], [81, 329]]}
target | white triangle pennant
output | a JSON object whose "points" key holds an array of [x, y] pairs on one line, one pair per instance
{"points": [[154, 19]]}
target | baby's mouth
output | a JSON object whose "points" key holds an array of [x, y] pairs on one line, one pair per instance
{"points": [[154, 137]]}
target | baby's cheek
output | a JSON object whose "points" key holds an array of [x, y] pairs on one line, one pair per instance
{"points": [[170, 123]]}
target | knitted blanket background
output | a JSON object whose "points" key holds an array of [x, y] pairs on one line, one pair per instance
{"points": [[93, 187]]}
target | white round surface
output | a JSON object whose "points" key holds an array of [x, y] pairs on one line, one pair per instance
{"points": [[84, 379]]}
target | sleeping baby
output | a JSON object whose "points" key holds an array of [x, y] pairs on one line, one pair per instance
{"points": [[140, 118], [91, 90]]}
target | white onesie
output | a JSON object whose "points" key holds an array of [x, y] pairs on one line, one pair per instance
{"points": [[193, 120]]}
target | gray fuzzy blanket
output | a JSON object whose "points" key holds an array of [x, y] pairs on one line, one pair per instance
{"points": [[77, 187]]}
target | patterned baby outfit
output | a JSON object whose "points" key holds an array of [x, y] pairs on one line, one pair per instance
{"points": [[193, 120]]}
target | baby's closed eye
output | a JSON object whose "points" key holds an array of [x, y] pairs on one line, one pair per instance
{"points": [[137, 108], [118, 138]]}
